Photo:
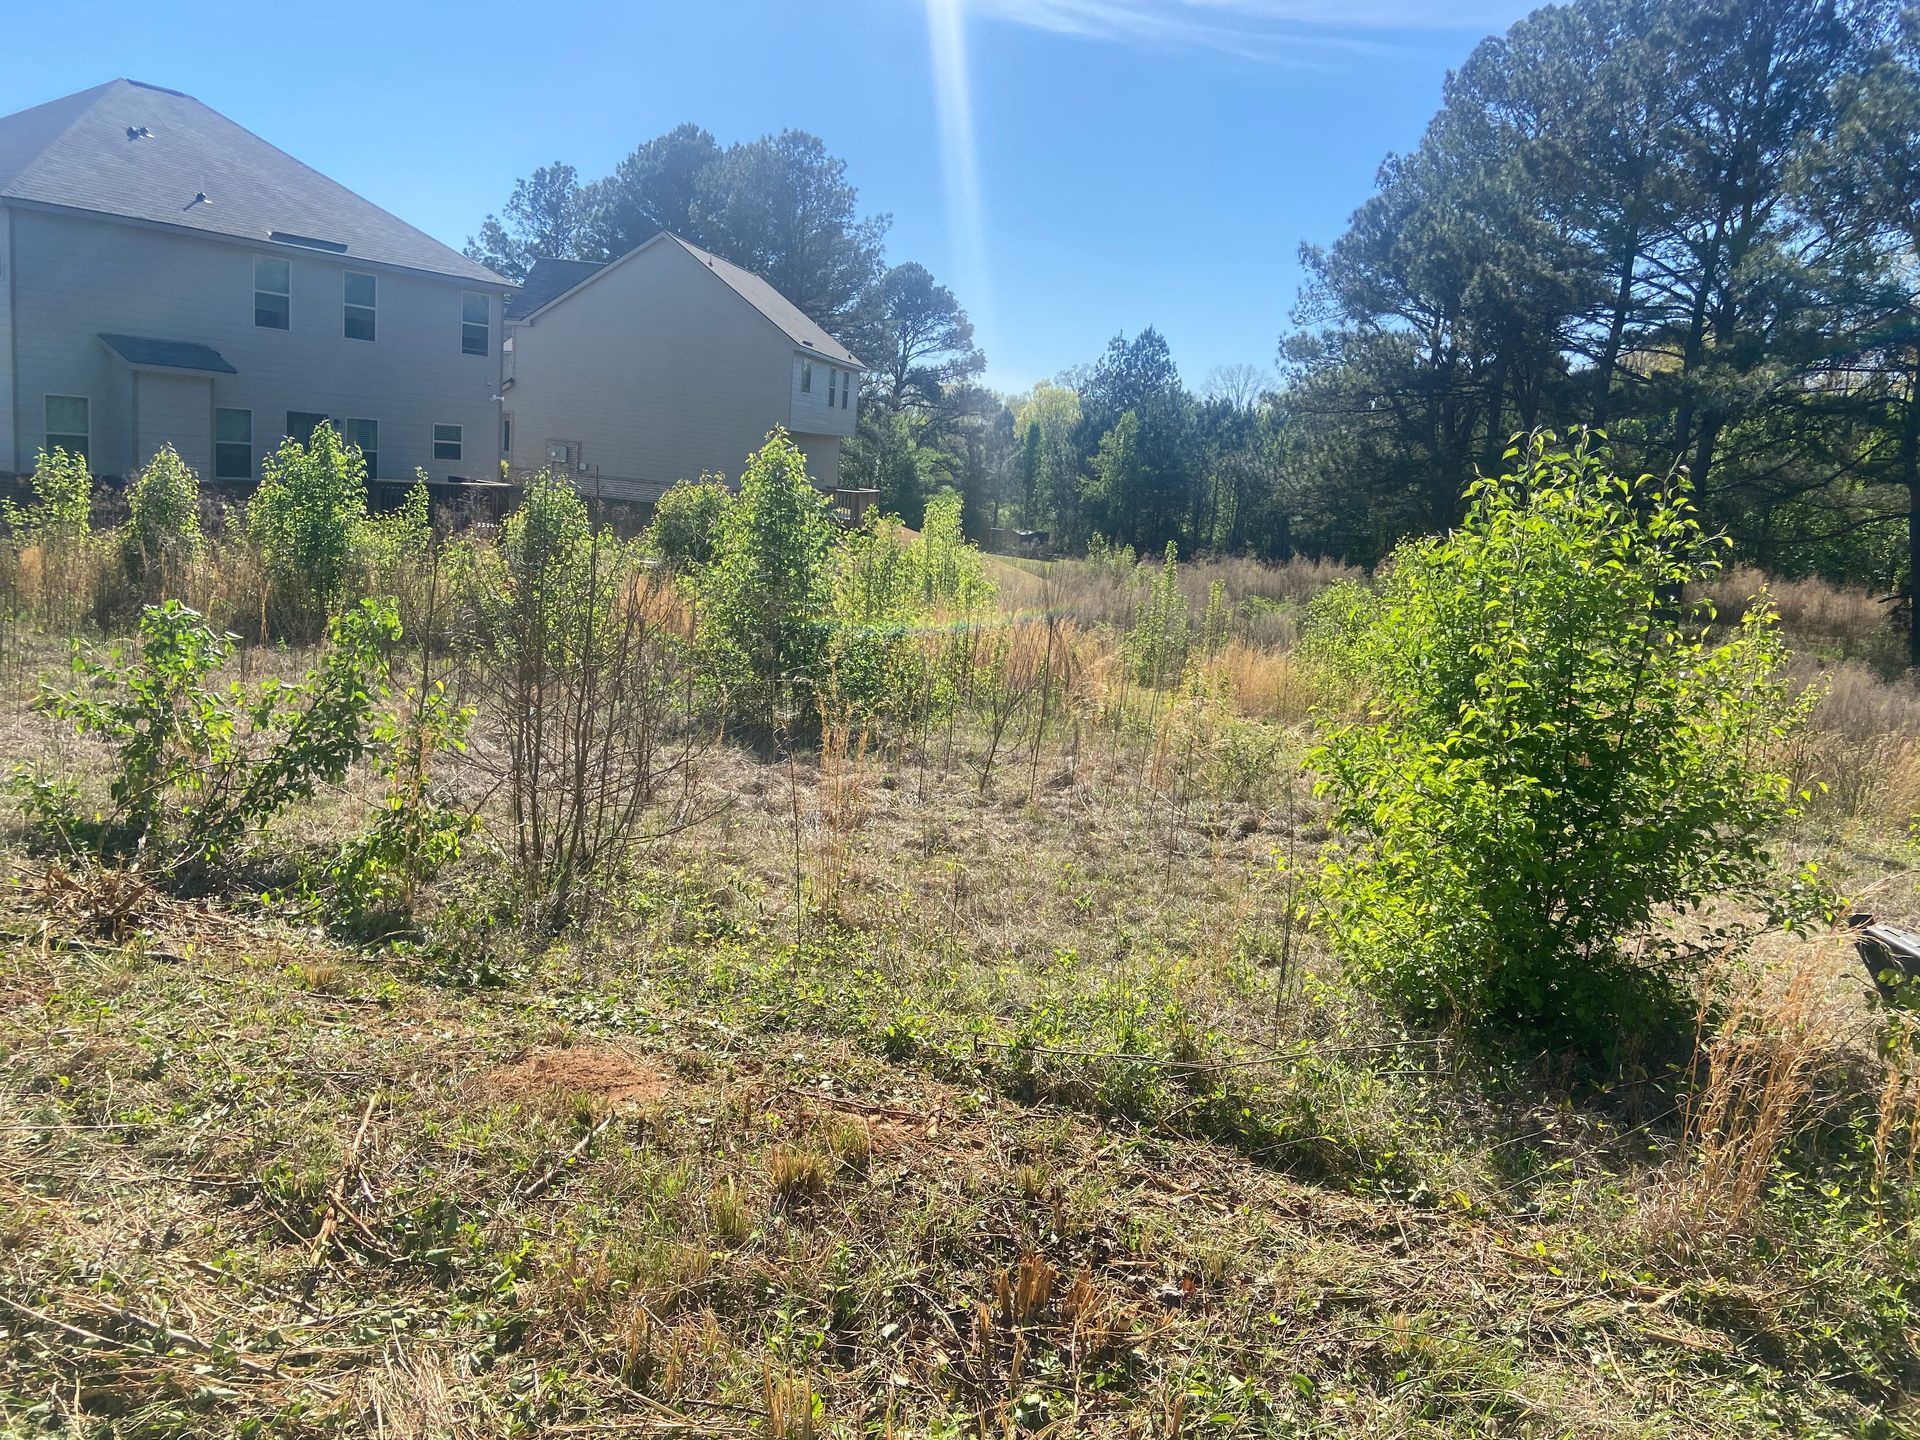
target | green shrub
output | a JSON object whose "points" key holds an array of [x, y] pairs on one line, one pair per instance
{"points": [[765, 599], [874, 663], [305, 518], [163, 526], [198, 766], [375, 876], [62, 499], [1157, 642], [1559, 754], [543, 538], [686, 521], [1337, 617], [389, 543], [948, 571], [876, 580]]}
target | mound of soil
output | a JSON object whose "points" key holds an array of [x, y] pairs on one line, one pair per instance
{"points": [[606, 1074]]}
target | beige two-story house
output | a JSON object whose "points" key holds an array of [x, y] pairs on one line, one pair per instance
{"points": [[167, 277], [666, 364]]}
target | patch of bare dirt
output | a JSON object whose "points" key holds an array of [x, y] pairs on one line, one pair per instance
{"points": [[606, 1074]]}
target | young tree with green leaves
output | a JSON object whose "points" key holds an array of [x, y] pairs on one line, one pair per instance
{"points": [[62, 499], [163, 509], [305, 516], [766, 597], [686, 523], [1556, 756]]}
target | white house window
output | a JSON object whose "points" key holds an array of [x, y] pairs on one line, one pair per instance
{"points": [[846, 388], [833, 383], [506, 435], [69, 424], [233, 444], [360, 292], [366, 435], [272, 293], [806, 377], [476, 320], [446, 442]]}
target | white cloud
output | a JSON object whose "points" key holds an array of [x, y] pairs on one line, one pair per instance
{"points": [[1303, 32]]}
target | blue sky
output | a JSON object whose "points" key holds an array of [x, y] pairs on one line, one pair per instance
{"points": [[1072, 167]]}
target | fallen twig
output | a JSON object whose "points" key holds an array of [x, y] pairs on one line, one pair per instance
{"points": [[546, 1179]]}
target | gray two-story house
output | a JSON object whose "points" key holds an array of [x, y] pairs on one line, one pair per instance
{"points": [[664, 364], [168, 277]]}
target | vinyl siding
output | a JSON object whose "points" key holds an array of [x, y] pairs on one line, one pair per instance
{"points": [[77, 277], [810, 411], [657, 369], [174, 410], [823, 457]]}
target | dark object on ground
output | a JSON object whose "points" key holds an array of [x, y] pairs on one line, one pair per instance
{"points": [[1892, 958]]}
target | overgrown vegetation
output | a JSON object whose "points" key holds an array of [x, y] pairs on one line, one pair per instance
{"points": [[196, 768], [990, 1053]]}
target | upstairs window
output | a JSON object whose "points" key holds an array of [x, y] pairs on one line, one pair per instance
{"points": [[476, 322], [846, 388], [806, 377], [446, 442], [233, 444], [69, 424], [833, 382], [366, 435], [360, 293], [272, 293]]}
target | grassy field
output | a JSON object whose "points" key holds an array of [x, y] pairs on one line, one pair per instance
{"points": [[959, 1085]]}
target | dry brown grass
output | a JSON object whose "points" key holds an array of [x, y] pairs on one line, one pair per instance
{"points": [[1292, 582], [791, 1408], [1097, 593], [840, 807], [413, 1395], [1810, 607], [1896, 1133], [1863, 745], [1755, 1085], [1268, 684], [796, 1174]]}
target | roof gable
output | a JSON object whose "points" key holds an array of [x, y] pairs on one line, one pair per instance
{"points": [[87, 152], [760, 294], [775, 307]]}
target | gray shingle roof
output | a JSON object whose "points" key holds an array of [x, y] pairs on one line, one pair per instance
{"points": [[77, 152], [168, 354], [548, 280], [790, 318], [775, 306]]}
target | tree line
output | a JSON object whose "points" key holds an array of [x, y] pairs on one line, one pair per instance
{"points": [[1689, 223]]}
